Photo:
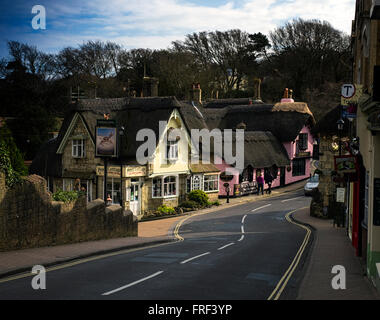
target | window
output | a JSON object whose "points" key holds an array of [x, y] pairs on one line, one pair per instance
{"points": [[114, 190], [172, 150], [68, 185], [157, 188], [196, 182], [299, 167], [302, 142], [170, 186], [78, 148], [211, 183], [164, 187]]}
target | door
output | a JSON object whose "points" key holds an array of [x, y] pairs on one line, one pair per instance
{"points": [[282, 176], [134, 202]]}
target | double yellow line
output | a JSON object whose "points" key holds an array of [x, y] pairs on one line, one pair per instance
{"points": [[179, 224], [275, 295]]}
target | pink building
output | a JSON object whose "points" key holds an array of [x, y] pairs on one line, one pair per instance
{"points": [[277, 140]]}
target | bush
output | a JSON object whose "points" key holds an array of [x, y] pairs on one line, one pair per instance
{"points": [[199, 196], [164, 209], [215, 203], [67, 196], [189, 204]]}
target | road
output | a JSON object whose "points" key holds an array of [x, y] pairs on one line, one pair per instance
{"points": [[245, 252]]}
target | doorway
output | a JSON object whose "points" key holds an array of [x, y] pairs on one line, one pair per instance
{"points": [[134, 201]]}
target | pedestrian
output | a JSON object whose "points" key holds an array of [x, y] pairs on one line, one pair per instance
{"points": [[260, 183], [268, 181]]}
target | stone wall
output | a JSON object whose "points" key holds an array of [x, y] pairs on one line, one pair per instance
{"points": [[29, 218]]}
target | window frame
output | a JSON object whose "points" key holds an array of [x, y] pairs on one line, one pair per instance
{"points": [[78, 144], [297, 169], [214, 181]]}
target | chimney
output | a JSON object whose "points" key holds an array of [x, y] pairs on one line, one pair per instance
{"points": [[288, 96], [196, 93], [257, 90], [150, 87]]}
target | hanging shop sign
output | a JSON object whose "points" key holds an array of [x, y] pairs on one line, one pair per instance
{"points": [[345, 164], [106, 138]]}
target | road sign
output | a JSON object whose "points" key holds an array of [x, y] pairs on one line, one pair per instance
{"points": [[350, 94], [348, 91]]}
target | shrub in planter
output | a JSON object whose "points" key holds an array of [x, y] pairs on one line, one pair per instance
{"points": [[189, 204], [199, 197]]}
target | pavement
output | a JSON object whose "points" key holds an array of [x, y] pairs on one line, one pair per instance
{"points": [[330, 247]]}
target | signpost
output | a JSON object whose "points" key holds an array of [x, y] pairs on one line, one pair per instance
{"points": [[106, 138]]}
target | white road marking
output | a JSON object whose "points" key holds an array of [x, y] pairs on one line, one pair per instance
{"points": [[267, 205], [227, 245], [242, 229], [241, 238], [242, 221], [190, 259], [132, 284], [291, 199]]}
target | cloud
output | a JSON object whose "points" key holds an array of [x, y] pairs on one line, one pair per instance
{"points": [[156, 23]]}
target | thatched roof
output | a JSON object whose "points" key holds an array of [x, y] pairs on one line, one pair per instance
{"points": [[262, 150], [285, 121]]}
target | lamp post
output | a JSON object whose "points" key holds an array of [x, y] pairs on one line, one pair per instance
{"points": [[340, 124]]}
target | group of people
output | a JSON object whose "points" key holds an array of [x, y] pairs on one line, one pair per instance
{"points": [[268, 179]]}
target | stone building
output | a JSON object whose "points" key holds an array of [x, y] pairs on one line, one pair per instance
{"points": [[366, 72]]}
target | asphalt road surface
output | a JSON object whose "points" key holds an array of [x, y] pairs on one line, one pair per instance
{"points": [[249, 251]]}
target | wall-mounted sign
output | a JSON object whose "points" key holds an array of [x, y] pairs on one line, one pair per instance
{"points": [[135, 171], [113, 172], [226, 177], [106, 142], [340, 192]]}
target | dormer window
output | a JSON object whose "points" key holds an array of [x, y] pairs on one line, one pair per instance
{"points": [[78, 148], [172, 150]]}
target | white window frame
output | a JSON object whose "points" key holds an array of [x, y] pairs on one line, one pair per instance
{"points": [[160, 182], [78, 148], [172, 150], [163, 185], [212, 181]]}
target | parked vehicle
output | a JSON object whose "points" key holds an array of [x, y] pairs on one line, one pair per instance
{"points": [[311, 184]]}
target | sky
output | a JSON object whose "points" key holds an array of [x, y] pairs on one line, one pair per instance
{"points": [[155, 24]]}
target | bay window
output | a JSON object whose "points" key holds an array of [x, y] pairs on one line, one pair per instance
{"points": [[211, 183]]}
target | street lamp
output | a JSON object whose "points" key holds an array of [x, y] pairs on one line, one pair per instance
{"points": [[340, 124]]}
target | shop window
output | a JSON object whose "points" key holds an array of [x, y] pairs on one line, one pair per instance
{"points": [[170, 186], [157, 188], [78, 148], [114, 190], [299, 167], [211, 183]]}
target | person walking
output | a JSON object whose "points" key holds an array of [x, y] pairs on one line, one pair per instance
{"points": [[260, 183], [268, 181]]}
